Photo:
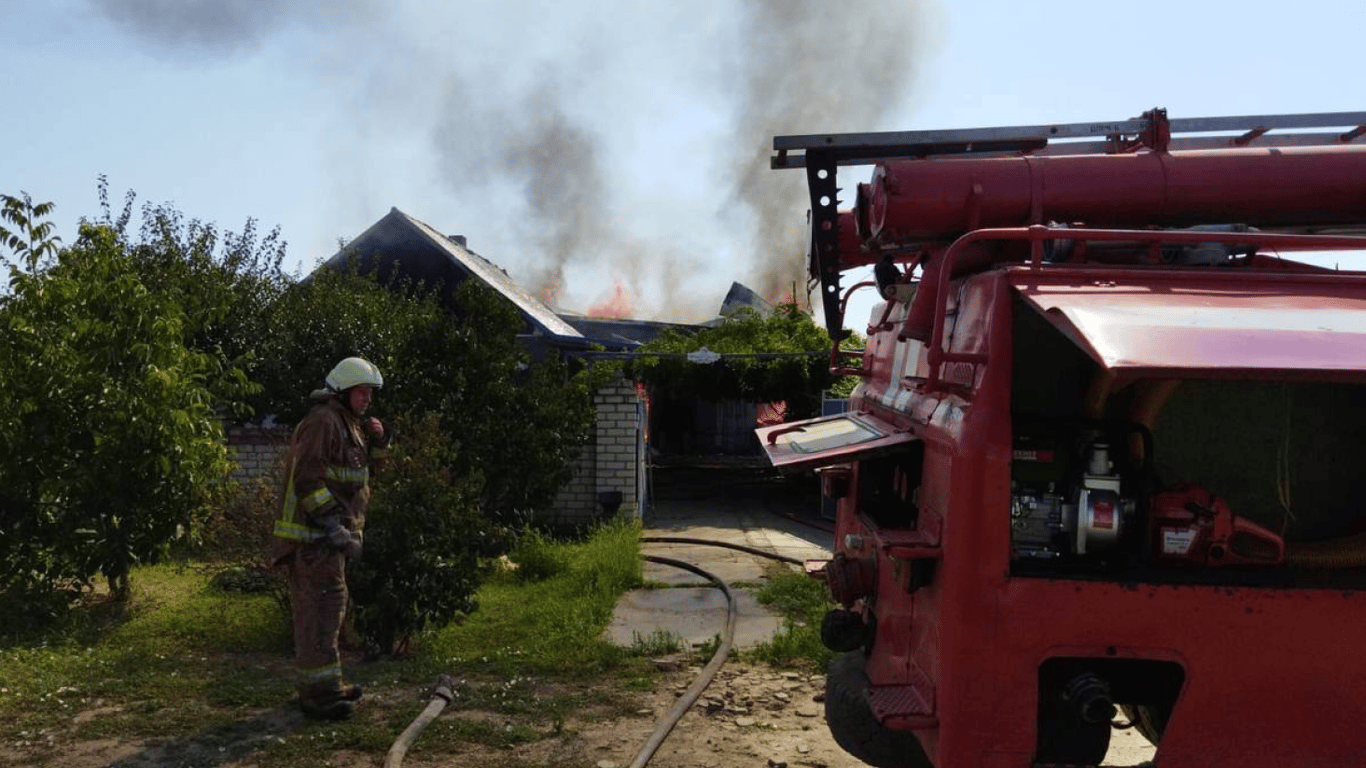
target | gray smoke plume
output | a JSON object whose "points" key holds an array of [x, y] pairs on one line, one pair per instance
{"points": [[540, 118], [205, 27], [809, 67]]}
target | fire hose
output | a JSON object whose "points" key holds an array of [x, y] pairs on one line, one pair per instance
{"points": [[441, 692]]}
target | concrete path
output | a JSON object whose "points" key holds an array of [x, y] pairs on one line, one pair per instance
{"points": [[730, 508]]}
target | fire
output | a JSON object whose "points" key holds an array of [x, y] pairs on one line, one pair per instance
{"points": [[781, 296], [618, 306]]}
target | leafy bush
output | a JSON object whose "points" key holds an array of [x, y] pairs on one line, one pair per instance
{"points": [[112, 441], [237, 532], [419, 568], [514, 425]]}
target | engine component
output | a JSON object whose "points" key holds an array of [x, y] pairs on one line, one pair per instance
{"points": [[1038, 524], [1099, 506], [850, 578], [1194, 528], [1091, 697], [1048, 525]]}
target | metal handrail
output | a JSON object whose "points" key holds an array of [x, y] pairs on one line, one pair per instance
{"points": [[1038, 234]]}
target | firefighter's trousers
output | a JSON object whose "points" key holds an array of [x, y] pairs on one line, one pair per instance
{"points": [[317, 595]]}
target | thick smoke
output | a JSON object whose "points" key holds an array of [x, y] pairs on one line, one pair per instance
{"points": [[562, 147], [811, 67]]}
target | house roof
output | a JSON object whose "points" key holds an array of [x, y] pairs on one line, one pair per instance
{"points": [[424, 253], [421, 252], [620, 335]]}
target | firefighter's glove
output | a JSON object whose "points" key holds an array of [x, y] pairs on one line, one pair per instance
{"points": [[387, 438], [341, 539]]}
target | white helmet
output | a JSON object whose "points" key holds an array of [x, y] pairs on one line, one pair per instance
{"points": [[352, 372]]}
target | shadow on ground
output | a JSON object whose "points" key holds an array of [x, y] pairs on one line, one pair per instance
{"points": [[218, 745]]}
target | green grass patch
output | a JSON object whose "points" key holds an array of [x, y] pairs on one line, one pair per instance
{"points": [[659, 642], [184, 662], [157, 658], [551, 625], [802, 602]]}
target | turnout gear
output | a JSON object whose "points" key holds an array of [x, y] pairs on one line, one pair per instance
{"points": [[322, 517]]}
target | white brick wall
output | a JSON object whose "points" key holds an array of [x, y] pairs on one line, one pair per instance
{"points": [[606, 464]]}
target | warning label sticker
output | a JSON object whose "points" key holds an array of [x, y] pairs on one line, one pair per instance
{"points": [[1177, 541]]}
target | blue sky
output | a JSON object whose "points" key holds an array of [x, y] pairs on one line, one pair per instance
{"points": [[585, 145]]}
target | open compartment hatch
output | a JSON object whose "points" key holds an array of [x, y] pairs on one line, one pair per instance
{"points": [[829, 440], [1193, 329]]}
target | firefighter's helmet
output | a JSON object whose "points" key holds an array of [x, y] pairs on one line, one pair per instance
{"points": [[353, 372]]}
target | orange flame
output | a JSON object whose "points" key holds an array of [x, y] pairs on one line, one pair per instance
{"points": [[618, 306]]}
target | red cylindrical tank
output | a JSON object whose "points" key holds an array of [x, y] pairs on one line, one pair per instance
{"points": [[935, 200]]}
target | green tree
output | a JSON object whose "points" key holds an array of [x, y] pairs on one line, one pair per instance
{"points": [[224, 283], [112, 443], [783, 357], [493, 433], [514, 426], [420, 566], [24, 233]]}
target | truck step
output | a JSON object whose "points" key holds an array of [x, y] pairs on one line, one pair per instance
{"points": [[909, 707]]}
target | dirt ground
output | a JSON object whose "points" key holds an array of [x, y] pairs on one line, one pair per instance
{"points": [[749, 717]]}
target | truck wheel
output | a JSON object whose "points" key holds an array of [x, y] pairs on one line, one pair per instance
{"points": [[1150, 720], [852, 723]]}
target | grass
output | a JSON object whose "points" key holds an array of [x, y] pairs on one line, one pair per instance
{"points": [[186, 665], [802, 602]]}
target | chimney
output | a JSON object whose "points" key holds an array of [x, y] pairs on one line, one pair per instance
{"points": [[458, 240]]}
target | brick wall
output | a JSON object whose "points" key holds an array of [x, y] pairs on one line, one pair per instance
{"points": [[607, 463], [256, 451]]}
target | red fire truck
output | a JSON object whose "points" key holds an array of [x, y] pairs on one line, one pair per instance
{"points": [[1104, 468]]}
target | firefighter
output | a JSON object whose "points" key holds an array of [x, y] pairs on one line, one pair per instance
{"points": [[321, 521]]}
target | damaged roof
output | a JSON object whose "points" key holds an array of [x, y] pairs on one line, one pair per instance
{"points": [[423, 253]]}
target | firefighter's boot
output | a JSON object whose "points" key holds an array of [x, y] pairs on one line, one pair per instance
{"points": [[337, 709], [330, 701]]}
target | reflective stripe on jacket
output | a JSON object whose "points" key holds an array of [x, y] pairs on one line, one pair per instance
{"points": [[327, 469]]}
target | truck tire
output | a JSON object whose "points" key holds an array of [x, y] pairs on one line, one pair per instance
{"points": [[852, 723]]}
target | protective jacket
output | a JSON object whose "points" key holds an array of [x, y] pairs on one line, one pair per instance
{"points": [[327, 473]]}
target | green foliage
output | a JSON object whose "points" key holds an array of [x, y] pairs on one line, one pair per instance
{"points": [[331, 316], [113, 444], [514, 426], [423, 533], [205, 672], [31, 240], [802, 601], [796, 369], [123, 352], [537, 557], [154, 661], [659, 642], [552, 626], [223, 282]]}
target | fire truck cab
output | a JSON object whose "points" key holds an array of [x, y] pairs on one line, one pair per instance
{"points": [[1104, 467]]}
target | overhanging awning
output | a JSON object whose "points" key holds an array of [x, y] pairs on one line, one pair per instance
{"points": [[830, 440], [1189, 328]]}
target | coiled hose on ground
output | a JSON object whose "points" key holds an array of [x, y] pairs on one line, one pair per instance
{"points": [[441, 692]]}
